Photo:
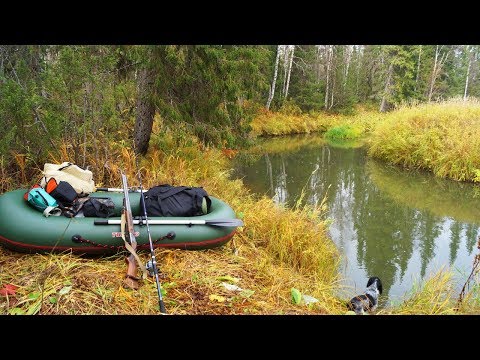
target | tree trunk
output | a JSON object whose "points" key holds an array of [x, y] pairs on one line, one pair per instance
{"points": [[272, 88], [359, 64], [437, 67], [384, 104], [289, 71], [333, 66], [418, 69], [145, 111], [333, 91], [285, 68], [348, 56], [328, 75], [468, 74], [434, 75], [317, 65]]}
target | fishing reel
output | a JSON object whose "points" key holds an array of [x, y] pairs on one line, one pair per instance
{"points": [[150, 268]]}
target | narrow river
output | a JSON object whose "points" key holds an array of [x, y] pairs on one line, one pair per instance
{"points": [[399, 225]]}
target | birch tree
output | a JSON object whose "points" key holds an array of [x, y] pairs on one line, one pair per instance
{"points": [[348, 57], [468, 72], [285, 69], [274, 81], [328, 51], [418, 68], [437, 68], [290, 62]]}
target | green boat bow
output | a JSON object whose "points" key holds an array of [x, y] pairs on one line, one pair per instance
{"points": [[24, 229]]}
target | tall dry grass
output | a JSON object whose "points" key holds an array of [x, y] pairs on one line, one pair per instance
{"points": [[268, 123], [440, 137], [434, 296]]}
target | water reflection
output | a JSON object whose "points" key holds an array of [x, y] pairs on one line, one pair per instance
{"points": [[395, 224]]}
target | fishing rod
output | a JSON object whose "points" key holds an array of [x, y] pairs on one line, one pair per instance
{"points": [[152, 264]]}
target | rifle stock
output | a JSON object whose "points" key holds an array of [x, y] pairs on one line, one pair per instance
{"points": [[131, 279]]}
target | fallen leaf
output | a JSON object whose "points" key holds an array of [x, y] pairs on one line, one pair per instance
{"points": [[34, 295], [309, 299], [16, 311], [8, 289], [216, 298], [246, 293], [296, 296], [231, 287], [65, 290]]}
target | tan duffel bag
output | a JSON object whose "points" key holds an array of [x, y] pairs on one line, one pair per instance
{"points": [[80, 179]]}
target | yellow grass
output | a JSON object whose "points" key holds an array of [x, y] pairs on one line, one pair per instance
{"points": [[440, 137], [278, 123], [434, 296]]}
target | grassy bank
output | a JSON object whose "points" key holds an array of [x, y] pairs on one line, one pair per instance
{"points": [[288, 121], [276, 250], [443, 138], [439, 137]]}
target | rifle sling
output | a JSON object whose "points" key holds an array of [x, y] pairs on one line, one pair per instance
{"points": [[131, 249]]}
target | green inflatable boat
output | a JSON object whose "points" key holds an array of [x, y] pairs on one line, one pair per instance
{"points": [[24, 229]]}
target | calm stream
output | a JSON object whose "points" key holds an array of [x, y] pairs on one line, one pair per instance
{"points": [[398, 225]]}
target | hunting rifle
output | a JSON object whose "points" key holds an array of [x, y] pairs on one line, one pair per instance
{"points": [[128, 232]]}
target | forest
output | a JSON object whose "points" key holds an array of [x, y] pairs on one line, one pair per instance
{"points": [[82, 95], [185, 111]]}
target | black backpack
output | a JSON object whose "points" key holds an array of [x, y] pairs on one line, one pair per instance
{"points": [[98, 207], [167, 200]]}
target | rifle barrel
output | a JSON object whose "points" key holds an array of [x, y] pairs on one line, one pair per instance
{"points": [[131, 279]]}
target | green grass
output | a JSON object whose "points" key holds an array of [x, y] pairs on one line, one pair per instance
{"points": [[343, 132]]}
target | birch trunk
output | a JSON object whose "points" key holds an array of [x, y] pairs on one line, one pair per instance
{"points": [[328, 75], [317, 65], [285, 68], [418, 69], [468, 74], [272, 88], [437, 68], [289, 71], [333, 66], [359, 63], [434, 75], [333, 91], [348, 55]]}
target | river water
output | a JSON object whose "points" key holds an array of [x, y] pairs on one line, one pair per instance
{"points": [[399, 225]]}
